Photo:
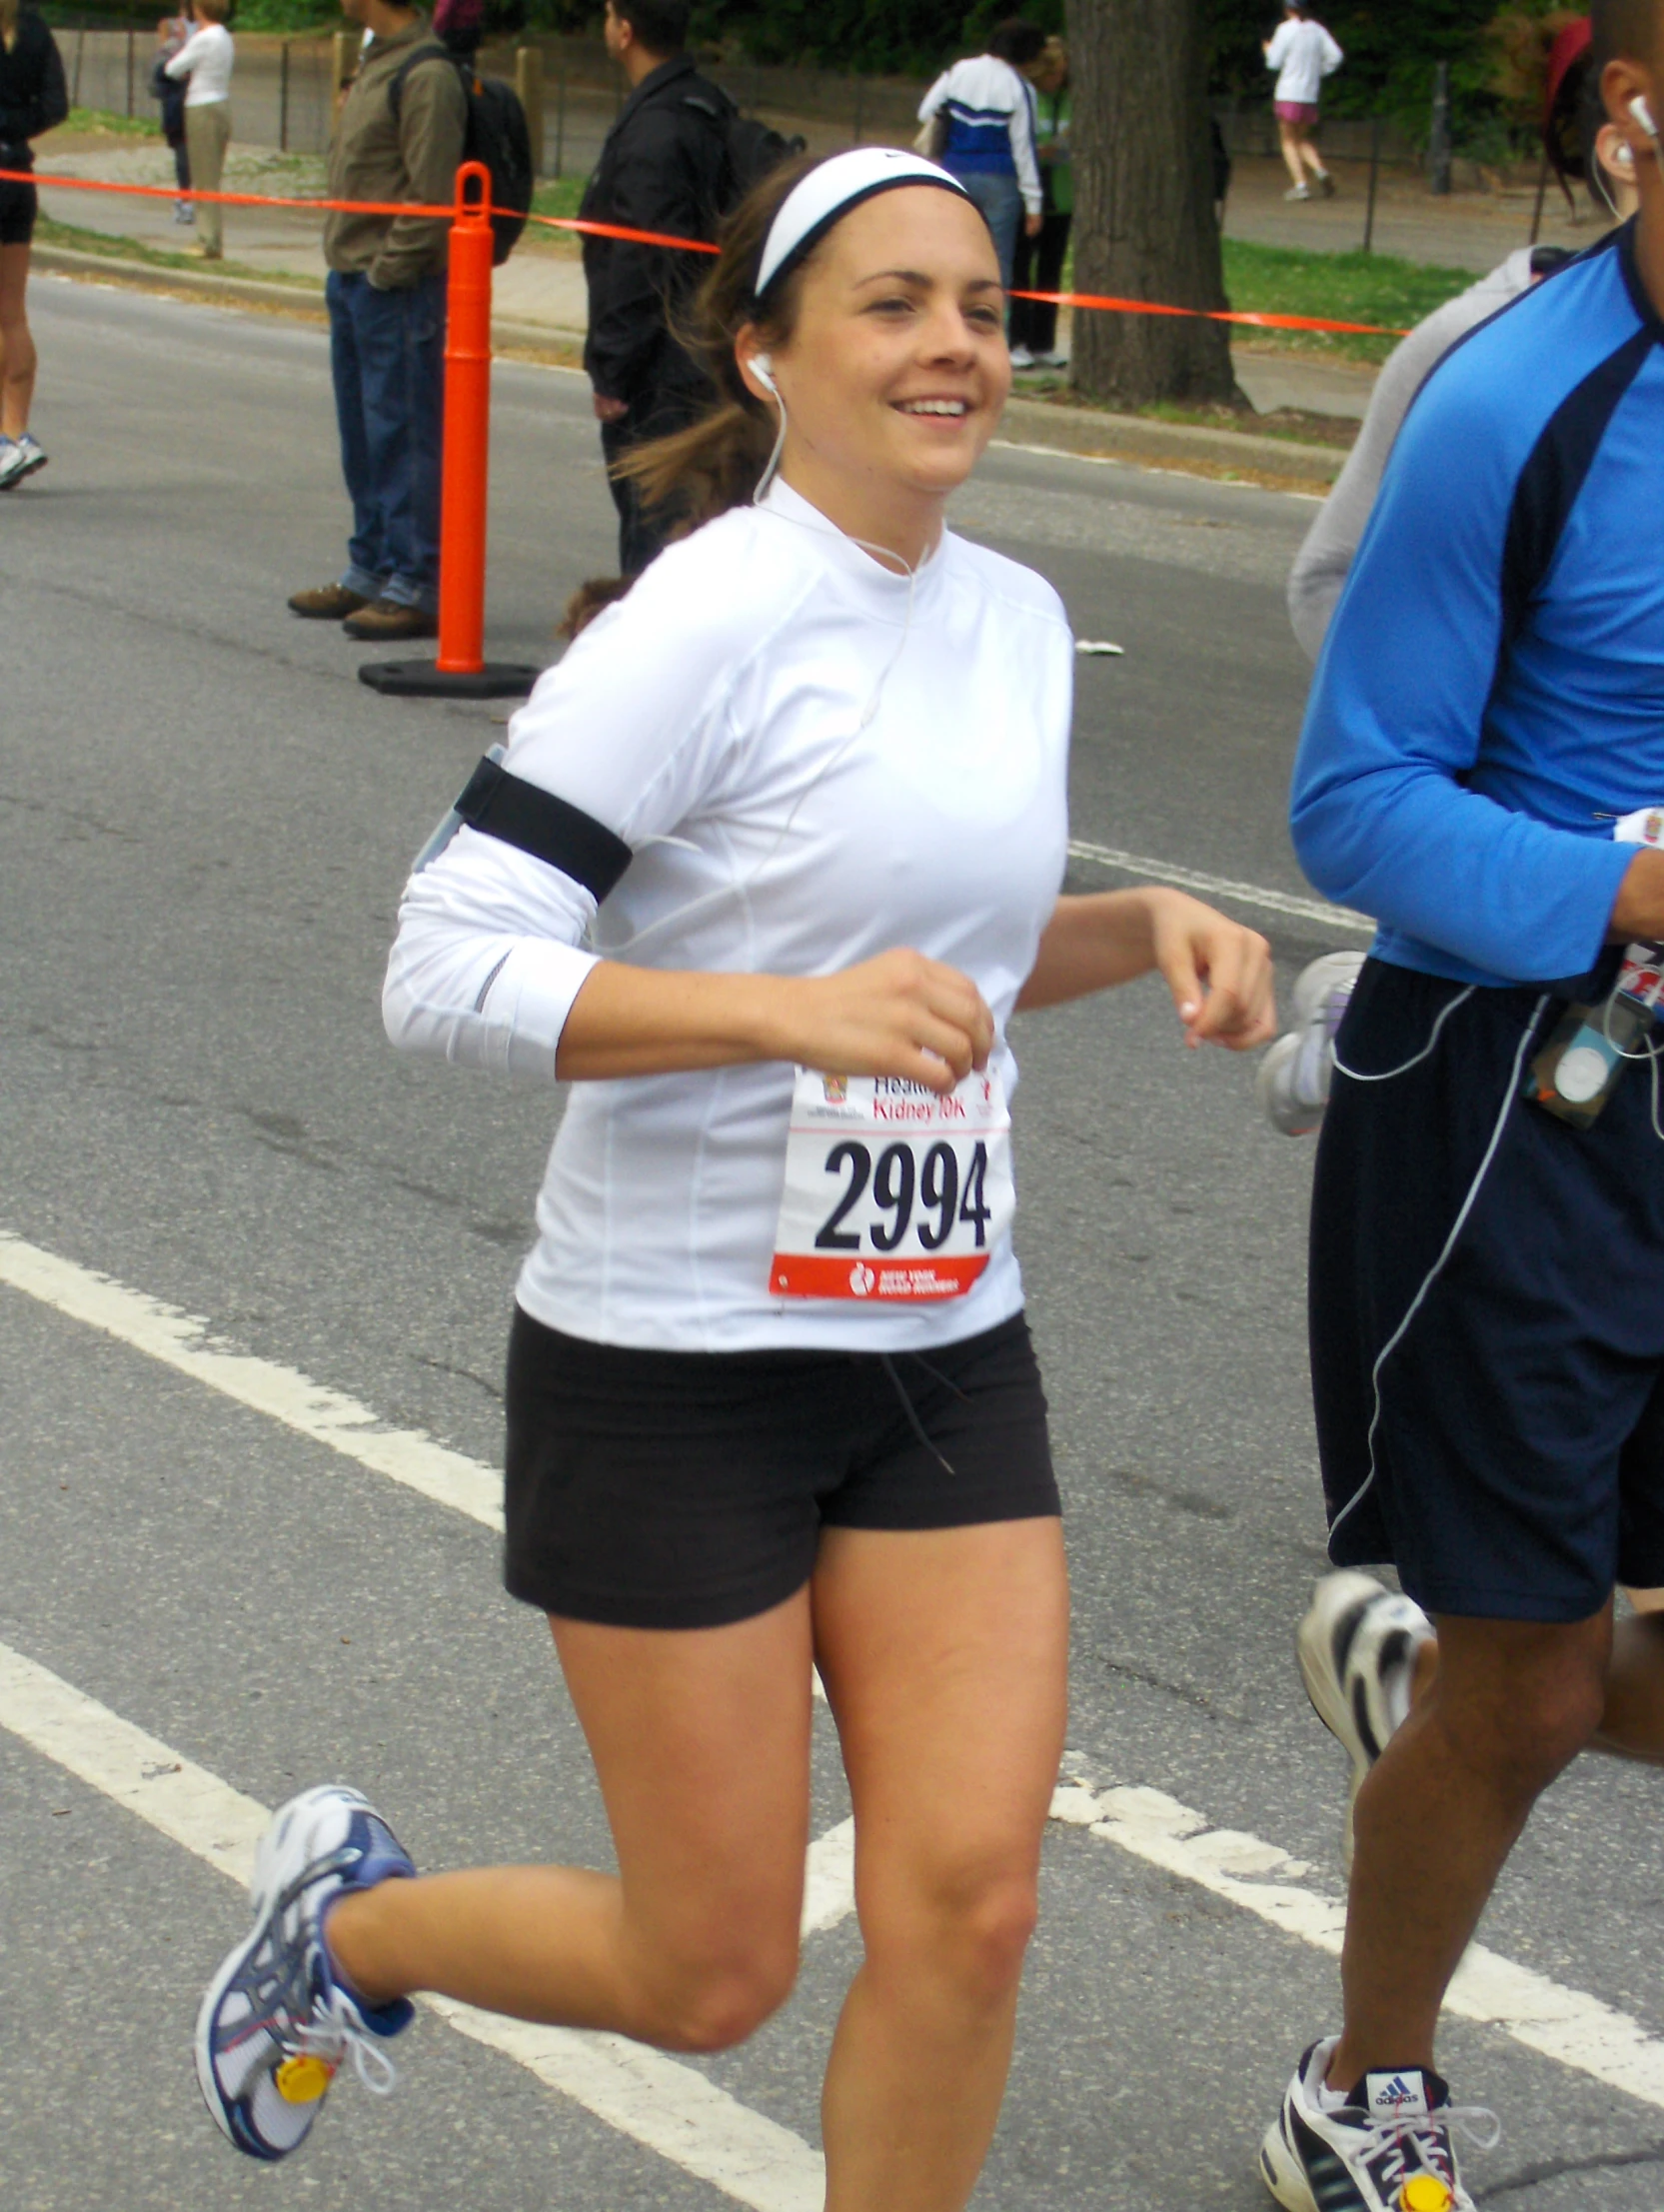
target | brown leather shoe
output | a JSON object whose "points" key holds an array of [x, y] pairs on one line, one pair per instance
{"points": [[328, 603], [385, 620]]}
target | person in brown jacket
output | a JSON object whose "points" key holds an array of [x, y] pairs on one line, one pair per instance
{"points": [[386, 295]]}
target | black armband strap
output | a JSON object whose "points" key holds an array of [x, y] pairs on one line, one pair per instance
{"points": [[534, 820]]}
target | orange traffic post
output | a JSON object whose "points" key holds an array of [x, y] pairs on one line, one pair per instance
{"points": [[462, 670]]}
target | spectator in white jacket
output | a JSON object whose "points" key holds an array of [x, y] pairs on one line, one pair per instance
{"points": [[978, 120], [1304, 54], [202, 63]]}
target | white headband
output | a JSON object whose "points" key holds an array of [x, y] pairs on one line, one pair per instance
{"points": [[829, 190]]}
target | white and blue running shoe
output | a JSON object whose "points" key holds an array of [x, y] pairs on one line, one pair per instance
{"points": [[276, 2024], [1292, 1080]]}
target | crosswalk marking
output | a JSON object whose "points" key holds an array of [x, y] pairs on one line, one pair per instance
{"points": [[1574, 2028], [670, 2108], [1567, 2025], [1223, 886], [185, 1343]]}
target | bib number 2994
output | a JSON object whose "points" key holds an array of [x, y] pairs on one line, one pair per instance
{"points": [[892, 1191]]}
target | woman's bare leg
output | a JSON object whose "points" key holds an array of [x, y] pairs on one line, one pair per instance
{"points": [[1288, 136], [945, 1654], [700, 1742], [17, 345]]}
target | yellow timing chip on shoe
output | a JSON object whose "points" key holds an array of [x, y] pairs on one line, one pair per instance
{"points": [[1425, 2193], [304, 2078]]}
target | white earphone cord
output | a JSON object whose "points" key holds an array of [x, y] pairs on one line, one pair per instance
{"points": [[763, 367]]}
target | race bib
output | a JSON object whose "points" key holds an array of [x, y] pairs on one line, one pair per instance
{"points": [[892, 1192]]}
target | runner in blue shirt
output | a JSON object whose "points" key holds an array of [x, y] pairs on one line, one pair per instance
{"points": [[1487, 1285]]}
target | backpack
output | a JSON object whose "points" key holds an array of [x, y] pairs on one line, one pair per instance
{"points": [[749, 150], [496, 134]]}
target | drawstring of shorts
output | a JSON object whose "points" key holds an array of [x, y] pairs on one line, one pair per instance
{"points": [[912, 1411]]}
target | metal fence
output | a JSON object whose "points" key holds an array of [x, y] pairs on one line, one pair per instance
{"points": [[281, 93], [282, 97]]}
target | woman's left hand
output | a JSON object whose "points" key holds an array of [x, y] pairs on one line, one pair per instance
{"points": [[1219, 973]]}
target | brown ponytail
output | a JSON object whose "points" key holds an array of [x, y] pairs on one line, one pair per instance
{"points": [[699, 472]]}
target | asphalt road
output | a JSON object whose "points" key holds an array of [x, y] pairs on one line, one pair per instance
{"points": [[205, 824]]}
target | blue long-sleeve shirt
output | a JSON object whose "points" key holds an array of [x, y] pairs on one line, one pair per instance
{"points": [[1491, 690]]}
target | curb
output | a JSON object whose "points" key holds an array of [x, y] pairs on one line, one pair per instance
{"points": [[68, 261], [1088, 430], [1064, 429]]}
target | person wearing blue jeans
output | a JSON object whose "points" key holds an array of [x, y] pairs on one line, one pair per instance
{"points": [[399, 138], [978, 120], [386, 355]]}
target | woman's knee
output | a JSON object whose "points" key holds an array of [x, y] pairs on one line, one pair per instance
{"points": [[712, 2003], [968, 1926]]}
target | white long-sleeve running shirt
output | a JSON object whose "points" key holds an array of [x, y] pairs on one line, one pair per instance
{"points": [[205, 62], [1304, 54], [808, 774]]}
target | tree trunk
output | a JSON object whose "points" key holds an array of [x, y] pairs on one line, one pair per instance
{"points": [[1144, 227]]}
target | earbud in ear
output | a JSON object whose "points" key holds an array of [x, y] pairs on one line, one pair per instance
{"points": [[1643, 115], [1623, 155], [761, 365]]}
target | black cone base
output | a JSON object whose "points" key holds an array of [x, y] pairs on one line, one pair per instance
{"points": [[426, 680]]}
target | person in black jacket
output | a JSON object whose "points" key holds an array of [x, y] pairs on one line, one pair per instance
{"points": [[32, 100], [662, 168]]}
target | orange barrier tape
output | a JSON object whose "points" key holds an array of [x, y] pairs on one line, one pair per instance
{"points": [[1099, 302], [446, 214], [1210, 314]]}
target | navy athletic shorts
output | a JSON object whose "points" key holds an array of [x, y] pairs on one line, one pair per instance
{"points": [[688, 1489], [1487, 1311]]}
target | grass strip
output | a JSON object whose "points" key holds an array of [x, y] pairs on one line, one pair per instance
{"points": [[1346, 288], [111, 248], [107, 119]]}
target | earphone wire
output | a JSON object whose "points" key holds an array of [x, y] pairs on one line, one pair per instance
{"points": [[740, 888]]}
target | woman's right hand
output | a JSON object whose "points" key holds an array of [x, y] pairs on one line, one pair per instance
{"points": [[899, 1015]]}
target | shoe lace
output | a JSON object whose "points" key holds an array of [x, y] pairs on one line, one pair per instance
{"points": [[334, 2029], [1429, 2135]]}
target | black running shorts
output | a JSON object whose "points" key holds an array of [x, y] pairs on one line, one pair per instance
{"points": [[672, 1489], [17, 213], [1489, 1385]]}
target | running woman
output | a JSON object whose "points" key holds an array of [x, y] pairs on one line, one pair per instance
{"points": [[1302, 53], [33, 100], [1482, 770], [771, 1401]]}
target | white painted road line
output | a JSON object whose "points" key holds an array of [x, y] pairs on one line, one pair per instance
{"points": [[182, 1340], [1568, 2025], [670, 2108], [830, 1880], [1223, 887]]}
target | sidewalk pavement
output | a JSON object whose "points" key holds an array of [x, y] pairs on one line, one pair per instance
{"points": [[539, 291], [1461, 230]]}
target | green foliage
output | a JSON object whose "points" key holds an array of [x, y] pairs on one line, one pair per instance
{"points": [[298, 18], [1392, 47], [105, 119], [906, 37], [559, 195], [1344, 288]]}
